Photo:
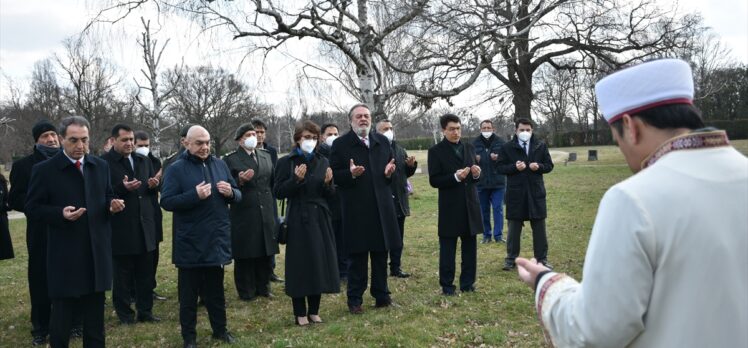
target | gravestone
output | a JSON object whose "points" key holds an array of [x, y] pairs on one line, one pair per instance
{"points": [[592, 155]]}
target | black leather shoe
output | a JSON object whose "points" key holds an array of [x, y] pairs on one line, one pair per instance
{"points": [[268, 295], [126, 321], [355, 309], [157, 296], [399, 274], [247, 298], [486, 240], [190, 344], [275, 278], [448, 292], [150, 318], [468, 289], [225, 337], [508, 266], [383, 303], [39, 340], [501, 240]]}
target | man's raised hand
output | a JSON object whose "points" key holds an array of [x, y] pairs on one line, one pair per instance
{"points": [[356, 171]]}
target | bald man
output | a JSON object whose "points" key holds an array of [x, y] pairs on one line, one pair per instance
{"points": [[198, 188]]}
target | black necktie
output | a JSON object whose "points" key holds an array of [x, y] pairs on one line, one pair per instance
{"points": [[524, 146], [252, 158], [129, 165]]}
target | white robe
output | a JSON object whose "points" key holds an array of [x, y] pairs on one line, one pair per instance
{"points": [[667, 262]]}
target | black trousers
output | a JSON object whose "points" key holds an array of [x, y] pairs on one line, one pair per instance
{"points": [[343, 261], [358, 276], [396, 254], [126, 270], [90, 307], [539, 240], [209, 282], [447, 254], [252, 276], [41, 305], [155, 265], [300, 305]]}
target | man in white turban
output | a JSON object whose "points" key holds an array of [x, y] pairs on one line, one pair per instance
{"points": [[666, 262]]}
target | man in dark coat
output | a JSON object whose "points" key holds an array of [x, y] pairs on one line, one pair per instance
{"points": [[72, 193], [328, 134], [261, 132], [198, 188], [133, 230], [453, 171], [524, 160], [405, 168], [491, 185], [253, 242], [47, 146], [362, 164], [143, 148]]}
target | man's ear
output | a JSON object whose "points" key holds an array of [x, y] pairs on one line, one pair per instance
{"points": [[632, 129]]}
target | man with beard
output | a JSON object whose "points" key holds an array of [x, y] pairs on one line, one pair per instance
{"points": [[363, 164]]}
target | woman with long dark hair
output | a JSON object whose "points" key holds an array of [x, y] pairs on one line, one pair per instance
{"points": [[304, 178]]}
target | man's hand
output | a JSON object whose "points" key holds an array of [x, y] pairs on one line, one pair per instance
{"points": [[159, 174], [72, 214], [356, 171], [410, 161], [494, 156], [246, 175], [520, 165], [528, 270], [475, 170], [534, 166], [153, 182], [131, 185], [389, 168], [203, 190], [117, 205], [225, 189], [462, 173], [328, 176], [300, 172]]}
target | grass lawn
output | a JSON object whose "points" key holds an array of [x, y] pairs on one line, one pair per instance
{"points": [[499, 314]]}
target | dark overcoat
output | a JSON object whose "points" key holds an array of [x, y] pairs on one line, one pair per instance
{"points": [[490, 178], [6, 244], [20, 174], [156, 164], [311, 259], [369, 218], [459, 210], [134, 228], [79, 257], [525, 190], [253, 219], [202, 229], [399, 183]]}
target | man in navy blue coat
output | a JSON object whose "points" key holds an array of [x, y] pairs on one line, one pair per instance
{"points": [[72, 193], [491, 185], [198, 188]]}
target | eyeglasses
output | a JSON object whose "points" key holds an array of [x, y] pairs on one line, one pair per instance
{"points": [[310, 137]]}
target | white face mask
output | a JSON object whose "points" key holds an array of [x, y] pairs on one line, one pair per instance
{"points": [[524, 136], [486, 134], [330, 139], [250, 143], [389, 134], [142, 151], [308, 145]]}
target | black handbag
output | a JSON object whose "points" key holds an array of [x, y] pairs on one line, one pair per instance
{"points": [[281, 233]]}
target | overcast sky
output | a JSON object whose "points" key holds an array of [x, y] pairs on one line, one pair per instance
{"points": [[31, 30]]}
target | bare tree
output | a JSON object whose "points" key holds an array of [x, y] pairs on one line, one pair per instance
{"points": [[93, 79], [156, 106], [214, 99], [568, 34], [430, 65], [45, 94]]}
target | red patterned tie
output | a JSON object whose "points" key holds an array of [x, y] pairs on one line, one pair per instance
{"points": [[78, 166]]}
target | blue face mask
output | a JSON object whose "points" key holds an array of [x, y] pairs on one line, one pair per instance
{"points": [[47, 151]]}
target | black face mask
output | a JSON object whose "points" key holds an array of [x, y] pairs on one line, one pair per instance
{"points": [[47, 151]]}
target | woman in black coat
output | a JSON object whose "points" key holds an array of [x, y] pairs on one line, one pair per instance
{"points": [[6, 245], [304, 178]]}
